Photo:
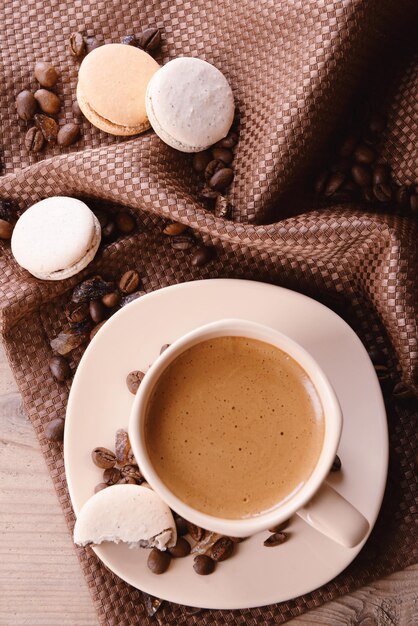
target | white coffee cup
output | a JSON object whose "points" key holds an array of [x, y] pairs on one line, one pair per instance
{"points": [[316, 502]]}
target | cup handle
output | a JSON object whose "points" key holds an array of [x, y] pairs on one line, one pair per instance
{"points": [[333, 516]]}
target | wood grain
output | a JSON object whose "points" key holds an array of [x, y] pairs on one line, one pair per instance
{"points": [[40, 580]]}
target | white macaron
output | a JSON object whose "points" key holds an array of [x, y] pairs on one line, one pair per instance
{"points": [[189, 104], [56, 238]]}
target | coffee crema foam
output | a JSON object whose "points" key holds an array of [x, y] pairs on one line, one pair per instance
{"points": [[234, 427]]}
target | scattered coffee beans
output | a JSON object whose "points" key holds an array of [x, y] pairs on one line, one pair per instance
{"points": [[201, 160], [26, 105], [275, 540], [202, 255], [222, 179], [48, 101], [68, 134], [212, 168], [181, 526], [77, 312], [92, 289], [181, 549], [174, 229], [129, 281], [158, 561], [103, 458], [127, 480], [46, 74], [222, 549], [77, 45], [97, 311], [150, 39], [195, 532], [203, 565], [125, 222], [111, 300], [336, 466], [64, 342], [223, 154], [54, 430], [279, 527], [34, 140], [112, 475], [133, 380], [227, 142], [132, 471], [47, 126], [60, 368], [182, 242], [100, 487], [6, 229]]}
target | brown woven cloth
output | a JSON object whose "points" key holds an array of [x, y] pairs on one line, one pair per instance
{"points": [[294, 66]]}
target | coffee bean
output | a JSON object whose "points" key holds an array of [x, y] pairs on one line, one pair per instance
{"points": [[54, 430], [320, 182], [34, 140], [83, 327], [364, 154], [77, 45], [46, 74], [76, 109], [125, 222], [182, 242], [195, 532], [122, 446], [109, 232], [129, 282], [48, 101], [158, 561], [100, 487], [111, 300], [181, 549], [368, 195], [201, 160], [203, 565], [223, 208], [213, 167], [129, 40], [25, 105], [402, 197], [383, 192], [127, 480], [275, 540], [133, 380], [164, 347], [174, 229], [413, 203], [6, 229], [361, 175], [76, 313], [227, 142], [402, 392], [60, 368], [181, 526], [64, 342], [103, 458], [380, 174], [47, 126], [336, 464], [202, 255], [132, 471], [334, 183], [112, 475], [279, 527], [149, 39], [208, 194], [68, 134], [92, 43], [377, 123], [222, 154], [96, 329], [222, 179], [222, 549], [348, 145], [97, 311]]}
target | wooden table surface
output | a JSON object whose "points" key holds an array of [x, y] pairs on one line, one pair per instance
{"points": [[41, 582]]}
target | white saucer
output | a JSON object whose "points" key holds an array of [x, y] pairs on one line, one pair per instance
{"points": [[100, 403]]}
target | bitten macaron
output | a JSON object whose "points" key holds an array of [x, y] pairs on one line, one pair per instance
{"points": [[190, 104], [112, 82], [56, 238]]}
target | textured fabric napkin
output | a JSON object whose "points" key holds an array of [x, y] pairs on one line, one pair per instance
{"points": [[295, 67]]}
